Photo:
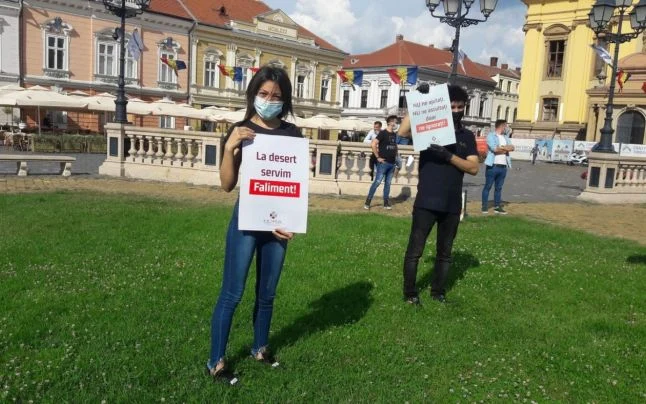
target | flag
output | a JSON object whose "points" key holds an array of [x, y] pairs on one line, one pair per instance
{"points": [[403, 74], [351, 76], [644, 87], [603, 54], [135, 45], [169, 62], [181, 65], [622, 77], [254, 70], [461, 57], [231, 71]]}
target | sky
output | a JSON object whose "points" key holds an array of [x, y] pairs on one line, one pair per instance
{"points": [[363, 26]]}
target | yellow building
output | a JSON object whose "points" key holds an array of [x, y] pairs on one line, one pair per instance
{"points": [[559, 66]]}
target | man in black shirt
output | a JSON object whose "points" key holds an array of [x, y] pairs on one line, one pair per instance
{"points": [[439, 198], [384, 146]]}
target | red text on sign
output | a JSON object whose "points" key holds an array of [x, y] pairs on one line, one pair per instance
{"points": [[427, 126], [275, 188]]}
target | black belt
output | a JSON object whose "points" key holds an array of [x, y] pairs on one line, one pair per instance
{"points": [[500, 165]]}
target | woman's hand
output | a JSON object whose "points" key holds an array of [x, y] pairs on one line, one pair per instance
{"points": [[239, 134], [282, 234]]}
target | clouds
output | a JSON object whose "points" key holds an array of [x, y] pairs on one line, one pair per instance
{"points": [[367, 25]]}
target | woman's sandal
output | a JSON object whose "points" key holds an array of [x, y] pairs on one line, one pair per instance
{"points": [[222, 375], [266, 357]]}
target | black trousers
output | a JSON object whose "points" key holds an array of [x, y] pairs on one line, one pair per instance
{"points": [[447, 229]]}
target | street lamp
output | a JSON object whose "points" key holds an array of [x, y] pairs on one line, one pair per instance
{"points": [[123, 9], [600, 16], [455, 13]]}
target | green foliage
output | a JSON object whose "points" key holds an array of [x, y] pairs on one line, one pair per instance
{"points": [[110, 297], [66, 143]]}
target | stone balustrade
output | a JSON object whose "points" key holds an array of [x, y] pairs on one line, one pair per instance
{"points": [[615, 179], [194, 157]]}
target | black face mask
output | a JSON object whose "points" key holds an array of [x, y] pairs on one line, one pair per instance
{"points": [[457, 118]]}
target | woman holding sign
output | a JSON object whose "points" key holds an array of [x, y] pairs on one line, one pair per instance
{"points": [[269, 100]]}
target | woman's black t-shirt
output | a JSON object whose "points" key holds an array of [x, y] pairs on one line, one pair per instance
{"points": [[285, 129]]}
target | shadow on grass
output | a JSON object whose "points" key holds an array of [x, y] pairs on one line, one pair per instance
{"points": [[636, 259], [462, 262], [342, 306]]}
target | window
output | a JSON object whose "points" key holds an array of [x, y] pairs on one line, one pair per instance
{"points": [[509, 86], [300, 86], [242, 85], [467, 109], [402, 99], [130, 66], [383, 102], [346, 98], [550, 109], [507, 114], [210, 74], [106, 59], [556, 51], [630, 128], [56, 50], [482, 107], [498, 112], [166, 74], [325, 85], [515, 112], [167, 122], [364, 98], [500, 84]]}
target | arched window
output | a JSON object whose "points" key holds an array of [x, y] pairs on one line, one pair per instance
{"points": [[507, 114], [498, 111], [630, 128], [515, 112]]}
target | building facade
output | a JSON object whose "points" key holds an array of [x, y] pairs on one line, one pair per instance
{"points": [[505, 96], [378, 96], [559, 66]]}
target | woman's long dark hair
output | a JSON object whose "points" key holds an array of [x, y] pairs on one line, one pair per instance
{"points": [[277, 75]]}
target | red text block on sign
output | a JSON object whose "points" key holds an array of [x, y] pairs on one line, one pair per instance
{"points": [[275, 188], [427, 126]]}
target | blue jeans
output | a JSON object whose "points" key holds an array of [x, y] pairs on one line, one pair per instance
{"points": [[240, 249], [494, 175], [386, 170]]}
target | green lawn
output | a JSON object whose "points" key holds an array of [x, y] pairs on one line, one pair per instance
{"points": [[110, 298]]}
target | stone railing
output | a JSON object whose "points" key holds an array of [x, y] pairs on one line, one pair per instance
{"points": [[615, 179], [340, 168]]}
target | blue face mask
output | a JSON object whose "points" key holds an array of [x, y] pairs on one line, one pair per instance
{"points": [[267, 109]]}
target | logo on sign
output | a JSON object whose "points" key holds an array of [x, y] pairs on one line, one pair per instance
{"points": [[273, 215]]}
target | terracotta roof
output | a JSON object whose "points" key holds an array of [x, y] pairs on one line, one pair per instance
{"points": [[169, 7], [493, 70], [219, 12], [406, 53]]}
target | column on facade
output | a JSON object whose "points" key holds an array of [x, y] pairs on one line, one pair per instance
{"points": [[531, 77], [232, 49], [194, 43], [313, 83], [256, 62], [292, 73]]}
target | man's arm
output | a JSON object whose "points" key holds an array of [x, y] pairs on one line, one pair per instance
{"points": [[470, 165], [404, 127], [375, 149], [491, 144]]}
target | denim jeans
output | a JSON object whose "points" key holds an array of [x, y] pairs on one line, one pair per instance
{"points": [[386, 170], [447, 229], [240, 249], [493, 174]]}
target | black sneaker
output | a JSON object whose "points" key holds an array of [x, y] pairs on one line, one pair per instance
{"points": [[439, 298], [387, 205], [366, 205], [413, 301], [499, 210]]}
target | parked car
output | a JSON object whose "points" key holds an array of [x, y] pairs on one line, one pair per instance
{"points": [[577, 158]]}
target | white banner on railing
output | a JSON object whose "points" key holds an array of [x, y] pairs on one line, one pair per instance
{"points": [[632, 150], [274, 184], [522, 149], [561, 149]]}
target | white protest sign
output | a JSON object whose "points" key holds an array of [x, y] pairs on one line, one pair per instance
{"points": [[430, 115], [274, 184]]}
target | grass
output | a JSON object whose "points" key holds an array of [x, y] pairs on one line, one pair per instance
{"points": [[110, 297]]}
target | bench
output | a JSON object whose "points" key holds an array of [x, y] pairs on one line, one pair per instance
{"points": [[22, 160]]}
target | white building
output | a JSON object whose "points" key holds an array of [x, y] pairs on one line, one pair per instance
{"points": [[9, 52], [505, 96]]}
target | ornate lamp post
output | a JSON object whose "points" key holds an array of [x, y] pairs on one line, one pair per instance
{"points": [[600, 15], [123, 9], [455, 15]]}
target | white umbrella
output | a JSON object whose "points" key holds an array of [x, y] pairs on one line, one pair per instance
{"points": [[319, 121], [138, 107], [354, 124], [234, 116], [38, 96]]}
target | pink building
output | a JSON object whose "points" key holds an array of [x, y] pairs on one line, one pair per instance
{"points": [[73, 46]]}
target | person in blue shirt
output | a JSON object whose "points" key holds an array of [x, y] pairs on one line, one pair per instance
{"points": [[497, 162]]}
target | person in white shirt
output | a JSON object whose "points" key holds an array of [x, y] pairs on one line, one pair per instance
{"points": [[497, 161], [376, 128]]}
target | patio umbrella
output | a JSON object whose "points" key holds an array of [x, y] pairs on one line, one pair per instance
{"points": [[234, 116], [319, 121], [38, 96], [354, 124], [137, 106]]}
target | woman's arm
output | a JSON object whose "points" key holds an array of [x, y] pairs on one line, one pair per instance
{"points": [[232, 157]]}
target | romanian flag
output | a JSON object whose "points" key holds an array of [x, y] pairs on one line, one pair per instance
{"points": [[403, 74], [234, 72], [354, 77], [622, 77], [173, 64]]}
